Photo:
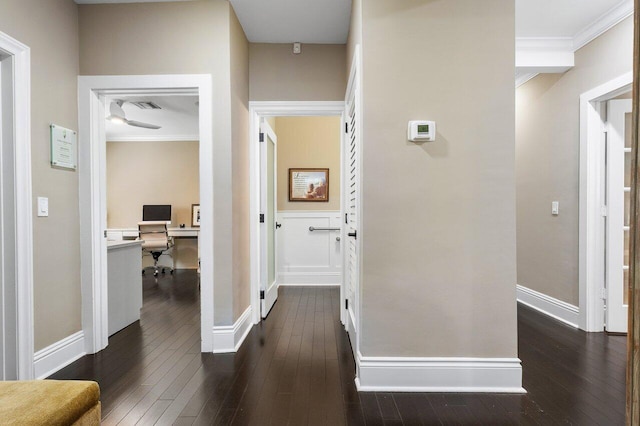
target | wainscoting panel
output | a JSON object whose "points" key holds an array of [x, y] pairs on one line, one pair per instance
{"points": [[309, 257]]}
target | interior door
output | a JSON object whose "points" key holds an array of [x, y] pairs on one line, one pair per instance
{"points": [[351, 201], [268, 225], [618, 193]]}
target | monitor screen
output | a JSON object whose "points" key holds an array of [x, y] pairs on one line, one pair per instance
{"points": [[156, 212]]}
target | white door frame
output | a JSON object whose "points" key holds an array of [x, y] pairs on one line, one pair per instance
{"points": [[23, 263], [257, 110], [93, 206], [591, 228]]}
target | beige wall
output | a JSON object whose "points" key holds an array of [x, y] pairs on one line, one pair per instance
{"points": [[547, 162], [317, 74], [240, 138], [355, 33], [312, 142], [438, 222], [50, 29], [187, 38], [140, 173]]}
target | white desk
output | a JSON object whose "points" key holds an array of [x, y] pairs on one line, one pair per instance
{"points": [[125, 283], [130, 234]]}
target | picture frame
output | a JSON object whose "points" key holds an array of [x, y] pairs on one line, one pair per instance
{"points": [[195, 215], [309, 184]]}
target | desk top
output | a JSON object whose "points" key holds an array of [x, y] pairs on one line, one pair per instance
{"points": [[122, 243]]}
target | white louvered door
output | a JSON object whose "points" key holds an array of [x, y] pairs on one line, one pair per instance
{"points": [[351, 201]]}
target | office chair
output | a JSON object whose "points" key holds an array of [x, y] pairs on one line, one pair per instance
{"points": [[155, 241]]}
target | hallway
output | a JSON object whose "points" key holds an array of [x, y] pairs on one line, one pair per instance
{"points": [[296, 368]]}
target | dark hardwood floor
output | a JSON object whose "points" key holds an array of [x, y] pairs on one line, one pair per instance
{"points": [[296, 368]]}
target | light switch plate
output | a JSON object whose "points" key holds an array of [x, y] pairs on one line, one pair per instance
{"points": [[555, 208], [43, 206]]}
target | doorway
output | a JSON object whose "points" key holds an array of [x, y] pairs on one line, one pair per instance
{"points": [[602, 218], [94, 93], [16, 241], [279, 227]]}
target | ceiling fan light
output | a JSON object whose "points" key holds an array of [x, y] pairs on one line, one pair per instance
{"points": [[115, 119]]}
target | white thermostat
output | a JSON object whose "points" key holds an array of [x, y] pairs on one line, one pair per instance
{"points": [[421, 131]]}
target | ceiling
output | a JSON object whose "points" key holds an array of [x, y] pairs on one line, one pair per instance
{"points": [[288, 21], [178, 118], [559, 18]]}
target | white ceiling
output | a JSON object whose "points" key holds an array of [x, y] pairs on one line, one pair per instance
{"points": [[288, 21], [559, 18], [178, 118]]}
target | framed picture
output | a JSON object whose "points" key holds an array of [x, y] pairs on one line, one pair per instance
{"points": [[309, 185], [195, 215]]}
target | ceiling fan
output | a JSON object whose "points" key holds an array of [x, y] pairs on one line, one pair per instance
{"points": [[118, 116]]}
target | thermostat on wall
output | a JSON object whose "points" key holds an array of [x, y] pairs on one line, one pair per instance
{"points": [[421, 131]]}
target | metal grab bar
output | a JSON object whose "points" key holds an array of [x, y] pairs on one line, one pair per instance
{"points": [[311, 228]]}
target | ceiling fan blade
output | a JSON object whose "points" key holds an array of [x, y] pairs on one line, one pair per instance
{"points": [[116, 109], [143, 125]]}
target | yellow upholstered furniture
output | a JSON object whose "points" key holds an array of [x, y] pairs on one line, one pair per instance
{"points": [[49, 402]]}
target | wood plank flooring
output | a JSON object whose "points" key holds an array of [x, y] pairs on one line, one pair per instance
{"points": [[296, 368]]}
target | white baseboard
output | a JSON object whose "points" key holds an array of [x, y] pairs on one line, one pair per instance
{"points": [[404, 374], [228, 338], [562, 311], [307, 285], [309, 278], [58, 355]]}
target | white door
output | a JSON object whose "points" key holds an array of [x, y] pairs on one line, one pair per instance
{"points": [[618, 193], [351, 202], [268, 225]]}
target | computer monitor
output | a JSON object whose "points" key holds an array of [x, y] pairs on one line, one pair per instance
{"points": [[156, 212]]}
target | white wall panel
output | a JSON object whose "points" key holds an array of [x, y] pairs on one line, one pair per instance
{"points": [[309, 257]]}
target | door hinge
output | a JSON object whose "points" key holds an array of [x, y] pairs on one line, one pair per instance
{"points": [[603, 211], [346, 303], [261, 137], [261, 217], [261, 294], [105, 233], [346, 218], [346, 127], [603, 293]]}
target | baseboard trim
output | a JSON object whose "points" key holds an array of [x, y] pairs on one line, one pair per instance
{"points": [[229, 338], [309, 278], [58, 355], [405, 374], [550, 306], [307, 285]]}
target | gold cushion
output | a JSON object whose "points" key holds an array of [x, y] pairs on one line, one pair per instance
{"points": [[46, 402]]}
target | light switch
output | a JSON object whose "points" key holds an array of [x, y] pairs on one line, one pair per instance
{"points": [[43, 207], [555, 208]]}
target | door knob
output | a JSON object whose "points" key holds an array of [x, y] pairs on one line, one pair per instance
{"points": [[337, 238], [278, 225]]}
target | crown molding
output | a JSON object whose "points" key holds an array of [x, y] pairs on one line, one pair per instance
{"points": [[522, 78], [607, 21], [122, 1]]}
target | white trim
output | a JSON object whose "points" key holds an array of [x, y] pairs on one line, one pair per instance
{"points": [[229, 338], [550, 306], [522, 78], [544, 54], [309, 278], [303, 284], [92, 169], [163, 138], [23, 201], [610, 19], [58, 355], [258, 109], [591, 223], [408, 374]]}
